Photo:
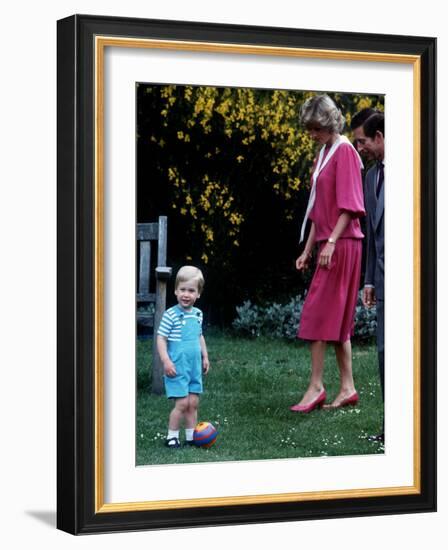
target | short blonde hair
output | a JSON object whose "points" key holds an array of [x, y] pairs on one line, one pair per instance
{"points": [[188, 273], [321, 110]]}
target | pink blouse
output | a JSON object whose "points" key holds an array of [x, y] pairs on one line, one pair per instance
{"points": [[339, 189]]}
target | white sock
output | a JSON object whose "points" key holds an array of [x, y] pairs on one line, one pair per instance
{"points": [[189, 434], [173, 433]]}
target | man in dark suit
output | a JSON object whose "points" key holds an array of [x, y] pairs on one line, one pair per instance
{"points": [[370, 142], [356, 126]]}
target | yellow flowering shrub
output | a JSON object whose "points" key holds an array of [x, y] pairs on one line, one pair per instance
{"points": [[222, 157]]}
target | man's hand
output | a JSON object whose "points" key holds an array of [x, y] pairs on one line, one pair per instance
{"points": [[368, 297]]}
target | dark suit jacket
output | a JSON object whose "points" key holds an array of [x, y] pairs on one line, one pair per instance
{"points": [[374, 274]]}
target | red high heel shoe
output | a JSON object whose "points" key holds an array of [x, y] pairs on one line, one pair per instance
{"points": [[305, 409], [352, 400]]}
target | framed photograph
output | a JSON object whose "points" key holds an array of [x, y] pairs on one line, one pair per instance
{"points": [[217, 220], [184, 143]]}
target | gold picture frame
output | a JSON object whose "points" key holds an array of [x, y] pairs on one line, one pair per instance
{"points": [[82, 41]]}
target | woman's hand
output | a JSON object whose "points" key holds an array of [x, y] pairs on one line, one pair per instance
{"points": [[303, 261], [325, 255]]}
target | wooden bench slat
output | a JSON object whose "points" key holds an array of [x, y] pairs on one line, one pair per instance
{"points": [[145, 266], [146, 297], [145, 319], [163, 238], [148, 279], [147, 231]]}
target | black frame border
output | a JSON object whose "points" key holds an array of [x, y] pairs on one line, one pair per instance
{"points": [[76, 264]]}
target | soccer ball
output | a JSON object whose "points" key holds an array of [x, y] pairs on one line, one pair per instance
{"points": [[204, 434]]}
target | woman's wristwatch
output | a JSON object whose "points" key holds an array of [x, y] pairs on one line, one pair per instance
{"points": [[331, 240]]}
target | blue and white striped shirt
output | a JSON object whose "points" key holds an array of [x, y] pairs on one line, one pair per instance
{"points": [[172, 320]]}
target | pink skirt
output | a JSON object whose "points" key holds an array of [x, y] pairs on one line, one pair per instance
{"points": [[329, 310]]}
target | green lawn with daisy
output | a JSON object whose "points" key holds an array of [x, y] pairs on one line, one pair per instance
{"points": [[247, 394]]}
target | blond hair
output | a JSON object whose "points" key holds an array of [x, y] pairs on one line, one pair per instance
{"points": [[321, 110], [188, 273]]}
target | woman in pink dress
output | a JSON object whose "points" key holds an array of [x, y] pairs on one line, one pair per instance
{"points": [[336, 203]]}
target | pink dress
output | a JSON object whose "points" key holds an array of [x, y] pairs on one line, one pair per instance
{"points": [[329, 308]]}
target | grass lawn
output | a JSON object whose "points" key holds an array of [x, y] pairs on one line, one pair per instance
{"points": [[248, 390]]}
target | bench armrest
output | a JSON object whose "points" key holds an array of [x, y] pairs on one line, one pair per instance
{"points": [[163, 273]]}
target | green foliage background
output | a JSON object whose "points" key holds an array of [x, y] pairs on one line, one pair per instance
{"points": [[230, 168]]}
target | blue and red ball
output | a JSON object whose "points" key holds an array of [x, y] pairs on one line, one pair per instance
{"points": [[204, 434]]}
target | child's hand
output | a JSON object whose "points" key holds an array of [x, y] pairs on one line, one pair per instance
{"points": [[169, 368], [205, 365]]}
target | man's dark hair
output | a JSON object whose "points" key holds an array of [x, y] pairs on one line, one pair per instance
{"points": [[374, 124], [361, 116]]}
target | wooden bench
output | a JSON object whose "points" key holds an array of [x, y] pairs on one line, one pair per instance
{"points": [[151, 292]]}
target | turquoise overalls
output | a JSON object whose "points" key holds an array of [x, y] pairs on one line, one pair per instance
{"points": [[186, 356]]}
